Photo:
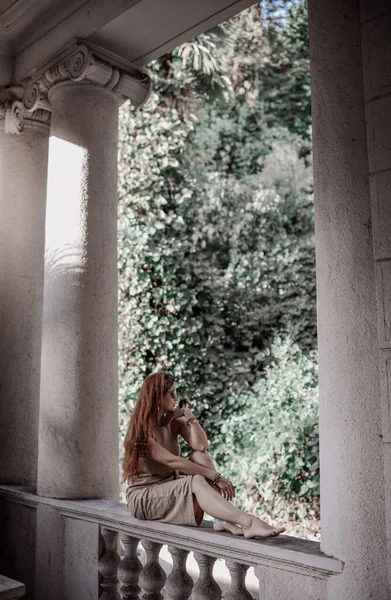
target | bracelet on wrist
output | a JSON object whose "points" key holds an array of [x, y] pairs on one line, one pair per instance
{"points": [[216, 478], [191, 422]]}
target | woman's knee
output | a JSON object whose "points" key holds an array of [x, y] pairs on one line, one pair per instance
{"points": [[199, 482]]}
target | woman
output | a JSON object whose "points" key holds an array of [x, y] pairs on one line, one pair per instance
{"points": [[164, 486]]}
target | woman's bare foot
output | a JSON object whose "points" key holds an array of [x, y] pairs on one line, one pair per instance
{"points": [[225, 526], [261, 529]]}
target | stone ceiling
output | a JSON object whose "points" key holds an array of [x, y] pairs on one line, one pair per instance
{"points": [[136, 31]]}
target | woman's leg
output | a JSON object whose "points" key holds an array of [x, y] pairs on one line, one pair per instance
{"points": [[205, 459], [212, 503]]}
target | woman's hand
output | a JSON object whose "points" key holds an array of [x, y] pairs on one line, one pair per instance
{"points": [[180, 412], [227, 488]]}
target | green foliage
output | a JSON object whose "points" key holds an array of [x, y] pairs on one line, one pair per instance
{"points": [[285, 79], [273, 443], [208, 278], [215, 219]]}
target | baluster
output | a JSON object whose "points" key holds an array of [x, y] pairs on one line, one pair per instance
{"points": [[129, 569], [108, 566], [152, 577], [179, 583], [205, 587], [237, 590]]}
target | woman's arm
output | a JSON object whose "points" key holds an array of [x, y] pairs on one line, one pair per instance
{"points": [[188, 467], [177, 463], [194, 435]]}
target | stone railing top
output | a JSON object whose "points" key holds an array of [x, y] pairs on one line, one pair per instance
{"points": [[290, 553], [11, 589]]}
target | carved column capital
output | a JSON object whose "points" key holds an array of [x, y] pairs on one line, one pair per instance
{"points": [[84, 63], [29, 105], [14, 115]]}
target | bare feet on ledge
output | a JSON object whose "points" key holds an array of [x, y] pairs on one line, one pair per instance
{"points": [[258, 528], [225, 526]]}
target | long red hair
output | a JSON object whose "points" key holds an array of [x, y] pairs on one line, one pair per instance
{"points": [[141, 425]]}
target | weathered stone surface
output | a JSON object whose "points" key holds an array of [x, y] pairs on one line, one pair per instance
{"points": [[81, 549], [23, 174], [351, 458], [383, 284], [129, 569], [377, 51], [372, 10], [18, 542], [78, 440], [385, 383], [109, 562], [380, 185], [278, 584], [379, 134], [237, 590], [11, 589], [205, 587], [152, 576], [179, 583], [81, 556], [50, 553]]}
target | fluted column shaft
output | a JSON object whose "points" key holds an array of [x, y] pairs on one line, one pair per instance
{"points": [[23, 175], [78, 437]]}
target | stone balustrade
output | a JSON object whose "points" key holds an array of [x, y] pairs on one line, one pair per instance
{"points": [[106, 554], [125, 576]]}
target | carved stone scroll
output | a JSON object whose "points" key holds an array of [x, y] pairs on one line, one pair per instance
{"points": [[29, 106], [14, 114], [82, 64]]}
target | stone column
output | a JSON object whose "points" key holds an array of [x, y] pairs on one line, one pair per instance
{"points": [[351, 449], [78, 434], [376, 45], [23, 172]]}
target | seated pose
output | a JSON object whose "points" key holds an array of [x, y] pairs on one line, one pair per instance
{"points": [[163, 486]]}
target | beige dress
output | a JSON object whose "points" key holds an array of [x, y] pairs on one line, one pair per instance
{"points": [[161, 494]]}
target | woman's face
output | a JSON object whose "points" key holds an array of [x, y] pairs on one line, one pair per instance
{"points": [[169, 399]]}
